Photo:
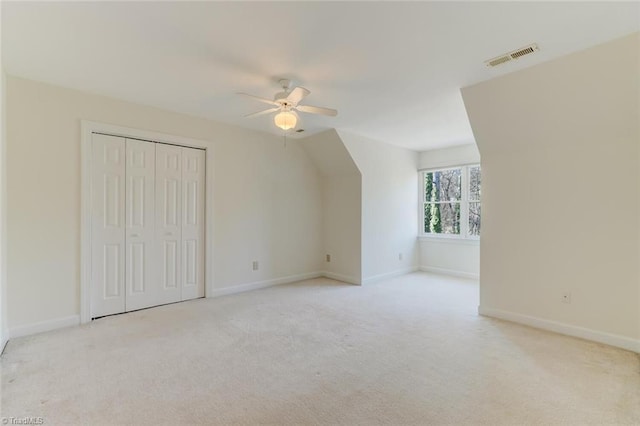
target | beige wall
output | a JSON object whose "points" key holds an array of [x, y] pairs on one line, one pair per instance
{"points": [[4, 335], [342, 236], [267, 198], [341, 205], [3, 168], [389, 206], [450, 256], [451, 156], [370, 210], [561, 188]]}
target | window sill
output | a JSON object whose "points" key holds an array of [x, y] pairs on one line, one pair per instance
{"points": [[450, 239]]}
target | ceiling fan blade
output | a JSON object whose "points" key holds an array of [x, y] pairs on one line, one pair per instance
{"points": [[297, 95], [266, 111], [257, 98], [317, 110]]}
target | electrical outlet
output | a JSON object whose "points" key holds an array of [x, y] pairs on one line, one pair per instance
{"points": [[399, 256], [566, 297], [255, 265], [328, 258]]}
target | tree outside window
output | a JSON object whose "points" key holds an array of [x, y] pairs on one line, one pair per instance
{"points": [[452, 201]]}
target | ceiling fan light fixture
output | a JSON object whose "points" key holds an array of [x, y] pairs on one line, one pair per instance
{"points": [[285, 103], [285, 120]]}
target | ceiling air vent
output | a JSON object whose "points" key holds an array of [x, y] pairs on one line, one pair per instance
{"points": [[516, 54], [498, 61]]}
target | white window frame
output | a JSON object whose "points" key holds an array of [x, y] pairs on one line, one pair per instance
{"points": [[464, 203]]}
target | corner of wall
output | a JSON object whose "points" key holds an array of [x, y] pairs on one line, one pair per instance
{"points": [[527, 269], [341, 205], [389, 205]]}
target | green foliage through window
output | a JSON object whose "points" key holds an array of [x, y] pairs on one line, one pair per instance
{"points": [[450, 195]]}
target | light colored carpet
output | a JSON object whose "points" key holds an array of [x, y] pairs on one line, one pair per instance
{"points": [[410, 350]]}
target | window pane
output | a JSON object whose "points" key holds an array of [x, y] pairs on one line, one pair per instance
{"points": [[474, 218], [427, 218], [447, 183], [443, 185], [428, 186], [474, 183], [442, 218], [450, 218]]}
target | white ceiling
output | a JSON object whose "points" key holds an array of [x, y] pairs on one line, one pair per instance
{"points": [[393, 70]]}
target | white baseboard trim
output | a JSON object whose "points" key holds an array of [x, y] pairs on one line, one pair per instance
{"points": [[339, 277], [241, 288], [562, 328], [41, 327], [391, 274], [451, 272]]}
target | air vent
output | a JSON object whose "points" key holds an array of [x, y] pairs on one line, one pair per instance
{"points": [[299, 130], [498, 61], [522, 52], [516, 54]]}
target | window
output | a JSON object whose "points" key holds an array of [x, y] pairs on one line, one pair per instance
{"points": [[474, 200], [451, 201]]}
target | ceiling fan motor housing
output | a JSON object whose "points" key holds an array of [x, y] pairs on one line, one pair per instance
{"points": [[287, 103], [281, 97]]}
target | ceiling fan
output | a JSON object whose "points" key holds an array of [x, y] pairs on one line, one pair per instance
{"points": [[286, 102]]}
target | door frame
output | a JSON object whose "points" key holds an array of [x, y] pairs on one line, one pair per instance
{"points": [[88, 128]]}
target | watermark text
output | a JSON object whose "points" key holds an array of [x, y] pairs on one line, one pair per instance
{"points": [[22, 420]]}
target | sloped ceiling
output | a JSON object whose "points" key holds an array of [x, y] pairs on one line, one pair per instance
{"points": [[392, 69], [328, 153]]}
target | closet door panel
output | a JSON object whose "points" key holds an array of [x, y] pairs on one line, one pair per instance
{"points": [[193, 193], [107, 225], [168, 221], [141, 273]]}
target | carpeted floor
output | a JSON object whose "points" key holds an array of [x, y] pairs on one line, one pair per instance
{"points": [[410, 350]]}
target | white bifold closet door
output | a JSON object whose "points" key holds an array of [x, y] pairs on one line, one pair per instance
{"points": [[193, 178], [168, 220], [140, 271], [147, 224], [107, 225]]}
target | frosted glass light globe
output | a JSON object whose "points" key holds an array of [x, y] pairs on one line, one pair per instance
{"points": [[285, 120]]}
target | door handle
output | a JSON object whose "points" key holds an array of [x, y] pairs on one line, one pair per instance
{"points": [[135, 235], [168, 234]]}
